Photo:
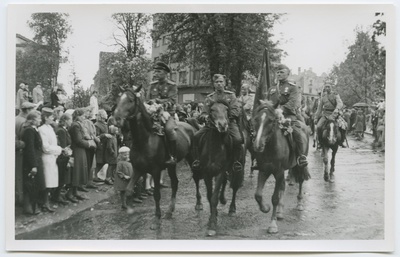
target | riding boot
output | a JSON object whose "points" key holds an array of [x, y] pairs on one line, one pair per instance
{"points": [[343, 138], [237, 165], [172, 152], [301, 157]]}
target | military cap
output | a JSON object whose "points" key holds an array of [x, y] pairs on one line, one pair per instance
{"points": [[47, 110], [282, 67], [161, 66], [27, 105]]}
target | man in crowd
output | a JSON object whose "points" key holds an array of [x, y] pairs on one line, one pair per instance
{"points": [[246, 100], [165, 92], [287, 96], [95, 105], [37, 93], [330, 104], [20, 98]]}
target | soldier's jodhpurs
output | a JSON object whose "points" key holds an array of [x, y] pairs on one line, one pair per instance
{"points": [[298, 136]]}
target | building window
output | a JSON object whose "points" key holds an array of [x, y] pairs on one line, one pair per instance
{"points": [[196, 77], [173, 76], [182, 77], [188, 98]]}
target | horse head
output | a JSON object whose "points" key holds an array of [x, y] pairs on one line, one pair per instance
{"points": [[219, 115], [329, 132], [129, 103], [264, 120]]}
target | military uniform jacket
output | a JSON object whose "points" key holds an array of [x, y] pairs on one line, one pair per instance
{"points": [[166, 92], [247, 102], [234, 105], [328, 103], [288, 97]]}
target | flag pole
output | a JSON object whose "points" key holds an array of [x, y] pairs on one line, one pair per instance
{"points": [[264, 80]]}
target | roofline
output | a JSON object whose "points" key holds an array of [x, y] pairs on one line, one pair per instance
{"points": [[26, 39]]}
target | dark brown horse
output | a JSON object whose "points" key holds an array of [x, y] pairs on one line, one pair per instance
{"points": [[274, 156], [329, 141], [216, 159], [148, 153]]}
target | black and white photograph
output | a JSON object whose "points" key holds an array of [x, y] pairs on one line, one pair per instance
{"points": [[237, 128]]}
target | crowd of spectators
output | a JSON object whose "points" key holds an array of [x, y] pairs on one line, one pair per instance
{"points": [[62, 154]]}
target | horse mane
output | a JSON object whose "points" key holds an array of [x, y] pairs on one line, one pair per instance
{"points": [[142, 109]]}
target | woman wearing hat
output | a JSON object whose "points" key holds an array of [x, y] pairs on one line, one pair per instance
{"points": [[51, 151], [79, 144]]}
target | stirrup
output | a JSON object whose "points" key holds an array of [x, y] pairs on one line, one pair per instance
{"points": [[237, 167], [196, 165], [302, 161]]}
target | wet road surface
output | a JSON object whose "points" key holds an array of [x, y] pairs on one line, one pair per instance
{"points": [[350, 208]]}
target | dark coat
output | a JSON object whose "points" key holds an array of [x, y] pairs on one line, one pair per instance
{"points": [[32, 156], [101, 130], [123, 168], [79, 146], [111, 150], [64, 140]]}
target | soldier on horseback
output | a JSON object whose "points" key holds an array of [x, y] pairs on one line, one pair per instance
{"points": [[329, 106], [164, 91], [234, 111], [287, 96]]}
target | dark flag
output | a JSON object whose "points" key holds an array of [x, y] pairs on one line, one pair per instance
{"points": [[265, 80]]}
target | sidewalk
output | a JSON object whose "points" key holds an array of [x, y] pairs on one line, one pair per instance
{"points": [[26, 223]]}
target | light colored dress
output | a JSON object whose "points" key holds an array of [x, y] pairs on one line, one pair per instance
{"points": [[51, 151]]}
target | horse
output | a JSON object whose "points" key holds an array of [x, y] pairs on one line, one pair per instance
{"points": [[216, 158], [329, 141], [148, 149], [274, 155], [245, 128]]}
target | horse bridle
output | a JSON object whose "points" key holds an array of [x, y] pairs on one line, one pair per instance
{"points": [[135, 113], [269, 136]]}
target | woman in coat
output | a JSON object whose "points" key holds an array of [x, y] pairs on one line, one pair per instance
{"points": [[51, 151], [33, 179], [64, 141], [79, 145]]}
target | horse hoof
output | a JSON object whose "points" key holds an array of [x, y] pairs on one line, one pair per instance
{"points": [[279, 216], [265, 209], [300, 207], [199, 207], [168, 215], [211, 232], [291, 183], [231, 213], [326, 177], [272, 230], [222, 201]]}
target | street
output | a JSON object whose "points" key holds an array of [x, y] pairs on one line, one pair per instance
{"points": [[351, 208]]}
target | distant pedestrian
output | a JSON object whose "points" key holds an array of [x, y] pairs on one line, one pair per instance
{"points": [[102, 133], [123, 174], [359, 124], [21, 97], [37, 93], [95, 105]]}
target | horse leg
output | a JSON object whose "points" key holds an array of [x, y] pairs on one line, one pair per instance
{"points": [[332, 176], [199, 205], [300, 206], [290, 177], [222, 198], [262, 178], [174, 187], [279, 211], [325, 157], [212, 223], [279, 179], [157, 196]]}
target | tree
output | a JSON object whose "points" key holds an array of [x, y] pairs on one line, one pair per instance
{"points": [[33, 65], [361, 77], [134, 27], [51, 29], [79, 99], [227, 43]]}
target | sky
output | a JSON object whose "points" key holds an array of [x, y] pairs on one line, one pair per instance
{"points": [[315, 40]]}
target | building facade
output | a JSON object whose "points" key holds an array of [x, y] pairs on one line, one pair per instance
{"points": [[310, 83]]}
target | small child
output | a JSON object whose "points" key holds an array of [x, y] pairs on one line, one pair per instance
{"points": [[111, 154], [123, 174]]}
